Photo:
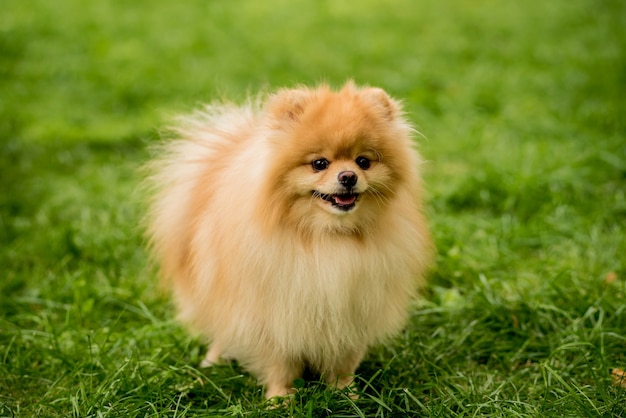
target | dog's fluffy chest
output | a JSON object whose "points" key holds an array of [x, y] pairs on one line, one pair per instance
{"points": [[333, 298]]}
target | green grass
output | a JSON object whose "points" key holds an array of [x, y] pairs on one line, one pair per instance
{"points": [[523, 109]]}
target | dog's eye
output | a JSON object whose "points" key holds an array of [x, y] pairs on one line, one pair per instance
{"points": [[320, 165], [363, 162]]}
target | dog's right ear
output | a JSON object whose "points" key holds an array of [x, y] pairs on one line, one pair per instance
{"points": [[288, 105]]}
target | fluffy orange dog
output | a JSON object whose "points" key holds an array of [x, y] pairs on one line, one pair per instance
{"points": [[292, 232]]}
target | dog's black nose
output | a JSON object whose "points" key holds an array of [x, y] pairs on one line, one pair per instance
{"points": [[347, 178]]}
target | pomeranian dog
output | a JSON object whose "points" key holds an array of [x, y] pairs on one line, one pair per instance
{"points": [[292, 231]]}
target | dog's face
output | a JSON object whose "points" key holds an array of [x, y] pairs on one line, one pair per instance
{"points": [[340, 183], [339, 157]]}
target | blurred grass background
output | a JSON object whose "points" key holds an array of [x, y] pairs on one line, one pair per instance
{"points": [[523, 112]]}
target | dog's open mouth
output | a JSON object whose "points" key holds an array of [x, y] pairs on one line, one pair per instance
{"points": [[343, 201]]}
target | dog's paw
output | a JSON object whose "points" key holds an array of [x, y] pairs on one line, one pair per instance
{"points": [[212, 356], [279, 401]]}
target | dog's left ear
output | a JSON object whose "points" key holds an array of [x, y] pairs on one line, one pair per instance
{"points": [[388, 107]]}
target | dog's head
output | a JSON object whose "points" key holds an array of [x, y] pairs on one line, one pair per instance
{"points": [[338, 158]]}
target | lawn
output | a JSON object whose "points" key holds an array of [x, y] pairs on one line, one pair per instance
{"points": [[522, 107]]}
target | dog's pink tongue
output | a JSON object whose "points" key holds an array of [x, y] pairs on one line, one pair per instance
{"points": [[344, 200]]}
